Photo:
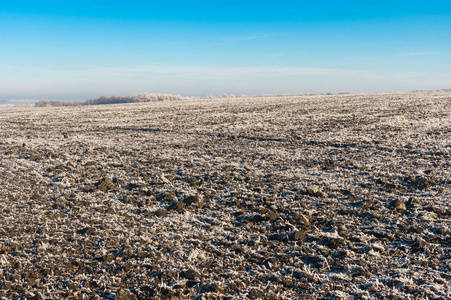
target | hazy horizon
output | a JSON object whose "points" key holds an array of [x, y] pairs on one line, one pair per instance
{"points": [[82, 50]]}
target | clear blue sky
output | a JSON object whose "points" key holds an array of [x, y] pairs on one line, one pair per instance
{"points": [[84, 49]]}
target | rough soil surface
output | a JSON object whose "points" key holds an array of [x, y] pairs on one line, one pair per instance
{"points": [[296, 197]]}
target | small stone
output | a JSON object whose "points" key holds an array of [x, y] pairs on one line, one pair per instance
{"points": [[117, 180], [169, 196], [161, 212], [272, 216], [193, 181], [422, 182], [372, 288], [274, 237], [428, 216], [257, 218], [380, 181], [215, 288], [71, 165], [108, 258], [441, 230], [60, 167], [104, 184], [36, 196], [87, 230], [418, 245], [271, 262], [413, 203], [38, 296], [441, 281], [312, 191], [142, 254], [297, 235], [235, 247], [127, 252], [73, 286], [269, 201], [255, 294], [358, 271], [124, 295], [151, 200], [129, 200], [164, 179], [293, 236], [191, 283], [195, 200], [301, 219], [398, 205], [287, 283], [415, 229], [176, 205], [190, 274], [332, 242], [315, 192]]}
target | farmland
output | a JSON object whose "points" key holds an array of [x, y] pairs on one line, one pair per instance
{"points": [[287, 197]]}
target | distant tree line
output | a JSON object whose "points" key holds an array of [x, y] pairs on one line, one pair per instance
{"points": [[43, 103], [144, 97]]}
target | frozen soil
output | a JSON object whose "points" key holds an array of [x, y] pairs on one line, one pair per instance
{"points": [[290, 197]]}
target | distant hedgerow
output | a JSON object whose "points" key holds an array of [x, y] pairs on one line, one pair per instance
{"points": [[143, 97], [44, 103]]}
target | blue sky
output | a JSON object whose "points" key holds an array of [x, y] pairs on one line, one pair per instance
{"points": [[77, 50]]}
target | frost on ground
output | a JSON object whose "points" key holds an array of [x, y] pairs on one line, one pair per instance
{"points": [[294, 197]]}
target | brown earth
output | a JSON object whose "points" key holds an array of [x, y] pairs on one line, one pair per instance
{"points": [[290, 197]]}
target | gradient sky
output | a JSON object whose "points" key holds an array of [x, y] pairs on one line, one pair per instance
{"points": [[77, 50]]}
